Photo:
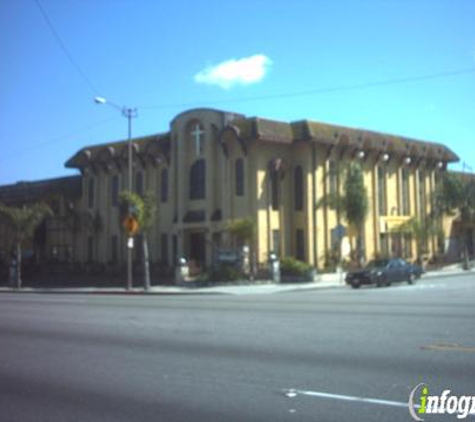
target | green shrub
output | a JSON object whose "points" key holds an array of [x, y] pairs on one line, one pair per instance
{"points": [[292, 266], [223, 273]]}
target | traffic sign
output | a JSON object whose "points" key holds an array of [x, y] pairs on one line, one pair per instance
{"points": [[131, 225]]}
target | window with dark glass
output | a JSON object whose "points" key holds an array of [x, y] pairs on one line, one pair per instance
{"points": [[382, 190], [384, 244], [407, 245], [55, 206], [197, 181], [406, 205], [114, 248], [422, 193], [300, 245], [164, 185], [115, 190], [239, 177], [276, 242], [90, 192], [175, 249], [333, 178], [164, 248], [298, 188], [275, 193], [139, 183], [90, 249]]}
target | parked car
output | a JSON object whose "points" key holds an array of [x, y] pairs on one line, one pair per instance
{"points": [[383, 272]]}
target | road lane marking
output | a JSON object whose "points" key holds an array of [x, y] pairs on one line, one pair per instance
{"points": [[292, 392], [452, 347]]}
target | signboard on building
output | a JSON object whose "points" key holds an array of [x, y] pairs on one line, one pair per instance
{"points": [[228, 256]]}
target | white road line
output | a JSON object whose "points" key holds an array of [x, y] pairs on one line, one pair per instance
{"points": [[290, 392]]}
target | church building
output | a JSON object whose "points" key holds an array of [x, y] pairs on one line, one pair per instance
{"points": [[212, 167]]}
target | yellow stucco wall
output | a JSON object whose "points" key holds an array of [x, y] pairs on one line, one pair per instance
{"points": [[220, 154]]}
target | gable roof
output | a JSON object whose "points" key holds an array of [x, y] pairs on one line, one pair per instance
{"points": [[158, 146], [151, 145], [311, 131]]}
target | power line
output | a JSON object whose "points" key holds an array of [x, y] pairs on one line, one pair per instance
{"points": [[59, 138], [339, 88], [62, 45]]}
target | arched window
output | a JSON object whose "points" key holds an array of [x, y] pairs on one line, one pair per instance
{"points": [[382, 175], [164, 185], [114, 248], [333, 177], [406, 203], [139, 183], [300, 244], [91, 192], [298, 189], [115, 190], [198, 180], [275, 194], [422, 194], [239, 177]]}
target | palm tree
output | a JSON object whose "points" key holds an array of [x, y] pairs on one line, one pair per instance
{"points": [[455, 196], [352, 204], [242, 230], [23, 221], [355, 206], [144, 209], [421, 230]]}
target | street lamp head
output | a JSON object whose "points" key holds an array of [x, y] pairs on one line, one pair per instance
{"points": [[100, 100]]}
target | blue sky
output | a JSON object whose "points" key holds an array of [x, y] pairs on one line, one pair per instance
{"points": [[279, 60]]}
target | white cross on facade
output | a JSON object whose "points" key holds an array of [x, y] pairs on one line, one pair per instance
{"points": [[197, 134]]}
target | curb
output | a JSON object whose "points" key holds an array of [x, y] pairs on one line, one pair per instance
{"points": [[182, 292], [217, 290]]}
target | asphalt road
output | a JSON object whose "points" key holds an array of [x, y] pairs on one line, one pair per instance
{"points": [[235, 358]]}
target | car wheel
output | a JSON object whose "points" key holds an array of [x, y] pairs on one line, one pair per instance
{"points": [[411, 278], [355, 284], [380, 282]]}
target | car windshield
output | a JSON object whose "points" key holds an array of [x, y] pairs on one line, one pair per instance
{"points": [[377, 263]]}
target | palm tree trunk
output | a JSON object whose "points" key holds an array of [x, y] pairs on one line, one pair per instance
{"points": [[18, 265], [466, 263], [359, 245], [146, 262]]}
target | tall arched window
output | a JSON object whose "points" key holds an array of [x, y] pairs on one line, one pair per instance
{"points": [[91, 192], [275, 194], [197, 182], [164, 185], [382, 176], [115, 190], [422, 194], [406, 203], [239, 177], [298, 188], [139, 183], [333, 173]]}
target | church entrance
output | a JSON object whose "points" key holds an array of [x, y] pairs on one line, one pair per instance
{"points": [[197, 251]]}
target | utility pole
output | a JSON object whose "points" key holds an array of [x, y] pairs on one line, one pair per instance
{"points": [[129, 113]]}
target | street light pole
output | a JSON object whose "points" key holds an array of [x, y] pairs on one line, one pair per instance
{"points": [[129, 113]]}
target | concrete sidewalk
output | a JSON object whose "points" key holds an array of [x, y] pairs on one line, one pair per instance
{"points": [[325, 281]]}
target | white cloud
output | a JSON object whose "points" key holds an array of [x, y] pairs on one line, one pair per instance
{"points": [[245, 71]]}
